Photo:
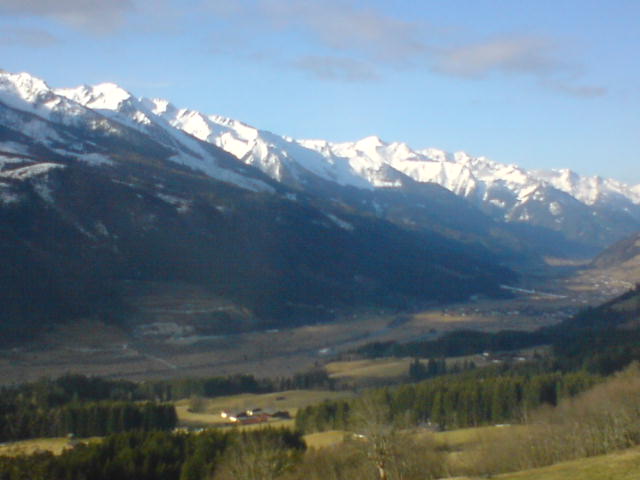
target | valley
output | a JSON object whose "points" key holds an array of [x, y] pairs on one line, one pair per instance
{"points": [[163, 336]]}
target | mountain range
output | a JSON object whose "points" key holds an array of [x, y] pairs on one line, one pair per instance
{"points": [[590, 211], [98, 187], [98, 190]]}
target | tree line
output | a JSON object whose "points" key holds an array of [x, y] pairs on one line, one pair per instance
{"points": [[456, 344], [85, 420], [598, 421], [436, 367], [165, 456], [469, 399], [209, 387], [93, 406], [47, 393]]}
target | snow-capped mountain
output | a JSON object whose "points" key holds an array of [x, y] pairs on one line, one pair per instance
{"points": [[590, 210], [372, 163], [559, 200], [593, 210], [98, 188]]}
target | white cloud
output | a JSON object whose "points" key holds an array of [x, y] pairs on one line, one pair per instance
{"points": [[26, 37], [539, 58], [351, 41], [342, 26], [339, 40], [574, 90], [344, 42], [522, 55], [335, 68], [97, 16]]}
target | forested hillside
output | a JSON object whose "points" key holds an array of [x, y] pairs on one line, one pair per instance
{"points": [[601, 340]]}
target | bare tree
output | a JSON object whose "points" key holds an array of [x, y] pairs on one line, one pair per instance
{"points": [[340, 462], [396, 454], [599, 421], [372, 424], [255, 457]]}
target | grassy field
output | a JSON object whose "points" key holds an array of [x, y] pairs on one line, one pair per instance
{"points": [[465, 437], [27, 447], [325, 439], [616, 466], [379, 369], [54, 445], [290, 401]]}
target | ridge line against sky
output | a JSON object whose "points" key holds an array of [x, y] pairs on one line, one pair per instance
{"points": [[547, 84]]}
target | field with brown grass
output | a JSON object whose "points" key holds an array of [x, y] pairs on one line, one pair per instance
{"points": [[623, 465], [291, 401], [54, 445]]}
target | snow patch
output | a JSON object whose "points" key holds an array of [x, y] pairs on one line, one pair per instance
{"points": [[14, 147], [95, 159], [555, 209], [42, 189], [340, 223], [30, 171], [101, 229], [181, 204], [6, 195], [7, 160], [224, 175]]}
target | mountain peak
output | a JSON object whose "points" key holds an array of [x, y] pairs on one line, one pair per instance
{"points": [[436, 154], [23, 85], [372, 141], [103, 96]]}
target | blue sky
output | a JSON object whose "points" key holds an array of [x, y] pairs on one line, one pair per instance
{"points": [[544, 84]]}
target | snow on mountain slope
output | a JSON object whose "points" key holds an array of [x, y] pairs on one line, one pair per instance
{"points": [[552, 199], [22, 90], [109, 109], [27, 93], [589, 190], [141, 114], [367, 163], [372, 170], [277, 156], [107, 96], [30, 171], [492, 184]]}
